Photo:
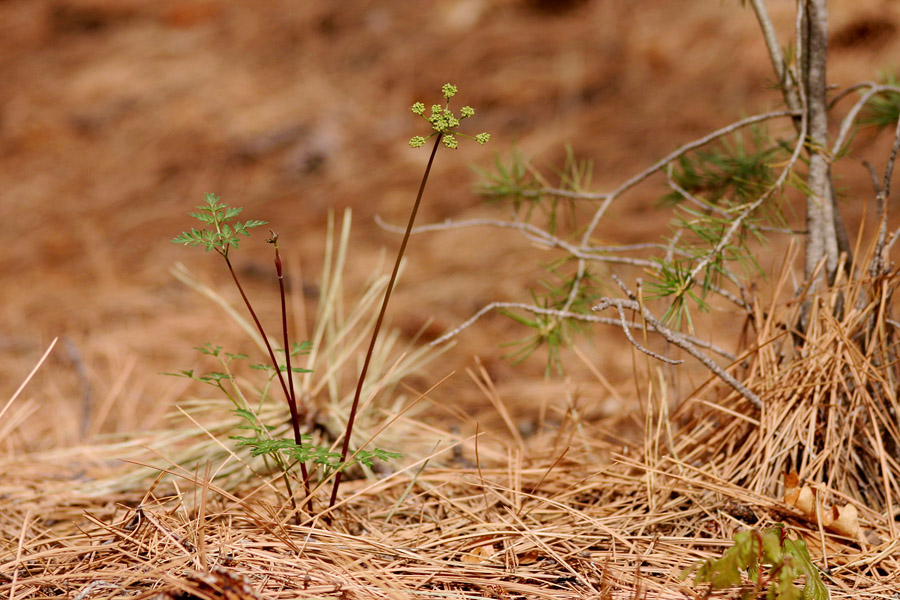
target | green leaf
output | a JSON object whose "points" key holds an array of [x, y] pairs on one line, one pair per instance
{"points": [[772, 546], [303, 347], [209, 349], [365, 457], [752, 551], [814, 589], [215, 376], [185, 373], [246, 414], [222, 232]]}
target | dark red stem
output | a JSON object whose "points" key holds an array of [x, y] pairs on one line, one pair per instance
{"points": [[296, 415], [387, 296], [295, 419]]}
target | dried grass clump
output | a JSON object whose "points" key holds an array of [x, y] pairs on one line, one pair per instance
{"points": [[831, 402]]}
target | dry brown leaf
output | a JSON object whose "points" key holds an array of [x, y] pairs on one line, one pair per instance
{"points": [[791, 480], [806, 501], [791, 488], [846, 521], [479, 554], [841, 520]]}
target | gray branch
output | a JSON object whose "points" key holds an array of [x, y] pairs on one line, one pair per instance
{"points": [[849, 90], [598, 215], [850, 119], [682, 342], [739, 220], [537, 310], [535, 234], [787, 84], [560, 193], [675, 154], [884, 196], [893, 240], [635, 343]]}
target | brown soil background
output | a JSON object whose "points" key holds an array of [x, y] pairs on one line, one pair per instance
{"points": [[117, 115]]}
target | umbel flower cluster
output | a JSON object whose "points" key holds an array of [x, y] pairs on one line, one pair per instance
{"points": [[444, 121]]}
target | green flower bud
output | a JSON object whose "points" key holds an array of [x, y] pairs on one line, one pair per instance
{"points": [[444, 121], [439, 123], [448, 120]]}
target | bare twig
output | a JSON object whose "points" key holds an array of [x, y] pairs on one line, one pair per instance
{"points": [[674, 337], [536, 235], [849, 90], [718, 211], [673, 156], [532, 232], [637, 345], [883, 197], [849, 120], [876, 185], [893, 240], [889, 168], [589, 253], [682, 342], [574, 195], [787, 84], [538, 310]]}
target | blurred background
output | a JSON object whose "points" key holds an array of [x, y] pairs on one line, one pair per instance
{"points": [[116, 116]]}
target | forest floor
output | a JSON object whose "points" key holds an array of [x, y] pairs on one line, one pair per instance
{"points": [[116, 116]]}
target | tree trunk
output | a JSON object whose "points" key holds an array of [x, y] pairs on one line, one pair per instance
{"points": [[822, 239]]}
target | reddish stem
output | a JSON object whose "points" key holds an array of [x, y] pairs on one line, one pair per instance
{"points": [[295, 419], [387, 296], [296, 415]]}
